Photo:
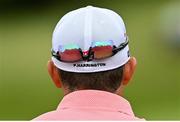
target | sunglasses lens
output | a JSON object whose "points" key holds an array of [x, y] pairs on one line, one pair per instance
{"points": [[72, 52], [102, 49], [101, 52], [70, 55]]}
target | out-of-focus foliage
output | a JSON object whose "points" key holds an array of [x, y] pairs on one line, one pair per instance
{"points": [[25, 41]]}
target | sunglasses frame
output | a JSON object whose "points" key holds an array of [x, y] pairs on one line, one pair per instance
{"points": [[90, 55]]}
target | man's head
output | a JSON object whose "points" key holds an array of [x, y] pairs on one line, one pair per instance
{"points": [[90, 51], [111, 80]]}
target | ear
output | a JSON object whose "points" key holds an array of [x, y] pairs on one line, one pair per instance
{"points": [[53, 72], [128, 70]]}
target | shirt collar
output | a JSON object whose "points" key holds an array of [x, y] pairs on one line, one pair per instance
{"points": [[96, 99]]}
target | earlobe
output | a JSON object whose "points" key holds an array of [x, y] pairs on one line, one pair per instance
{"points": [[129, 69], [52, 70]]}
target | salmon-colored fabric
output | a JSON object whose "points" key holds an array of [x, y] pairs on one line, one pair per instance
{"points": [[91, 105]]}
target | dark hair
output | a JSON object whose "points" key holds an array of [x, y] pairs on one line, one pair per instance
{"points": [[107, 80]]}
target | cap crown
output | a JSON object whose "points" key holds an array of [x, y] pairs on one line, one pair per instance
{"points": [[84, 25]]}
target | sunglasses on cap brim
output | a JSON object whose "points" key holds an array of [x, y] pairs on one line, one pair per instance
{"points": [[98, 50]]}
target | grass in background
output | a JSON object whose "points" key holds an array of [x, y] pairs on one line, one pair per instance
{"points": [[27, 91]]}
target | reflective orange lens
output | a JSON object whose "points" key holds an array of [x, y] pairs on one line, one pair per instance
{"points": [[70, 55], [101, 52]]}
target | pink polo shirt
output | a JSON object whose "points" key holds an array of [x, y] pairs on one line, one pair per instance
{"points": [[91, 105]]}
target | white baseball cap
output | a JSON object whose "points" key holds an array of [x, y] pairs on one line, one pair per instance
{"points": [[84, 25]]}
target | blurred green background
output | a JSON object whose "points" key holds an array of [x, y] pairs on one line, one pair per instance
{"points": [[26, 27]]}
